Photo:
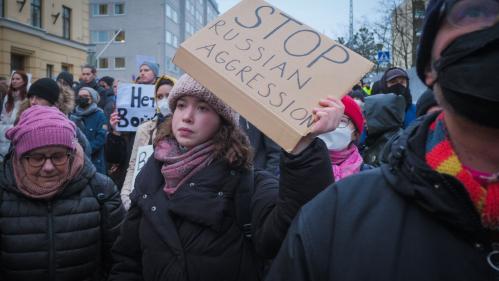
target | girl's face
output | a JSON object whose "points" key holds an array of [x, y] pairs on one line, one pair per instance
{"points": [[194, 122], [163, 92], [146, 75], [17, 81]]}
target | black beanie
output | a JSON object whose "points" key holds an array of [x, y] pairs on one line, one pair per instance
{"points": [[108, 80], [67, 77], [429, 32], [45, 88]]}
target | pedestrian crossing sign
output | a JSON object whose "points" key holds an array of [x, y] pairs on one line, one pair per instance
{"points": [[383, 56]]}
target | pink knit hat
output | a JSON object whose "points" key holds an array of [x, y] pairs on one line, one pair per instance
{"points": [[187, 86], [41, 126]]}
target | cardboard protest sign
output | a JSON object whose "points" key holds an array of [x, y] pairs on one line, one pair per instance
{"points": [[270, 68], [143, 154], [135, 104]]}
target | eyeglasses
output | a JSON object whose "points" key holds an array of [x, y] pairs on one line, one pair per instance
{"points": [[344, 122], [477, 13], [37, 160]]}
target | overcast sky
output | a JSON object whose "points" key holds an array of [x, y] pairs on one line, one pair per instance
{"points": [[330, 17]]}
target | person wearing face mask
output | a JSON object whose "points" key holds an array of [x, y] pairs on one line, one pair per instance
{"points": [[146, 133], [431, 212], [92, 121], [396, 81], [341, 143]]}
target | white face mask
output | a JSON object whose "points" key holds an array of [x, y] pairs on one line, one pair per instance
{"points": [[163, 107], [338, 139]]}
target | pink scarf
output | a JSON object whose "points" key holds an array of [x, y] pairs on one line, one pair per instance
{"points": [[179, 167], [346, 162]]}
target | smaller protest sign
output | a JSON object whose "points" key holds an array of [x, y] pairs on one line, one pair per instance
{"points": [[135, 104], [143, 154]]}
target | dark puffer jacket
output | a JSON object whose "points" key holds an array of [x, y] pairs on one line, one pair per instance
{"points": [[384, 118], [194, 235], [402, 221], [66, 238]]}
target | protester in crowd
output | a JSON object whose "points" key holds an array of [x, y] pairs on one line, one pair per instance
{"points": [[376, 88], [89, 80], [92, 121], [266, 153], [185, 220], [148, 73], [16, 93], [146, 133], [58, 217], [4, 87], [106, 82], [427, 104], [358, 97], [432, 212], [396, 81], [341, 143], [384, 120], [46, 92], [65, 78]]}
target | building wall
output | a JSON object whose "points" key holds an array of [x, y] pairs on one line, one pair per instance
{"points": [[153, 32], [44, 46]]}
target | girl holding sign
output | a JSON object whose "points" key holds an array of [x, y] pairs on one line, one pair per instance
{"points": [[190, 212], [10, 106], [146, 132]]}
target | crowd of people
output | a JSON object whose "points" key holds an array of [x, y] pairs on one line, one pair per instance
{"points": [[383, 187]]}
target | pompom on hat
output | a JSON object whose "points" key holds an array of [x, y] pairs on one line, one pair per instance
{"points": [[41, 126], [187, 86]]}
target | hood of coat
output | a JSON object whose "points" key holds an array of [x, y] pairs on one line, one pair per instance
{"points": [[384, 113], [441, 195], [75, 185]]}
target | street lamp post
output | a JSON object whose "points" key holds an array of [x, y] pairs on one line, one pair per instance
{"points": [[107, 46]]}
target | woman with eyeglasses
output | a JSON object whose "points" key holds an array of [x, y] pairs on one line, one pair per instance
{"points": [[58, 217], [341, 143]]}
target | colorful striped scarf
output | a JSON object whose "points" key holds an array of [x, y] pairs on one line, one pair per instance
{"points": [[441, 157]]}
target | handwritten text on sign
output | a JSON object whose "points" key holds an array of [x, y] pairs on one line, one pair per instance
{"points": [[143, 154], [135, 104], [305, 44]]}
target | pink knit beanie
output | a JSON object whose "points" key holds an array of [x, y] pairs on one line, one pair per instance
{"points": [[187, 86], [41, 126]]}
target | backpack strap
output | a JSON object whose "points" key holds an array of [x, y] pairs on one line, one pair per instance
{"points": [[243, 201], [98, 194]]}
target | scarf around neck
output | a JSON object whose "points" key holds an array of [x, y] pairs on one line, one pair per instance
{"points": [[80, 112], [441, 157], [178, 167], [36, 191], [345, 162]]}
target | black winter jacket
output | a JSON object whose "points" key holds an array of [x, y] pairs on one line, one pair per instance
{"points": [[66, 238], [402, 221], [194, 235]]}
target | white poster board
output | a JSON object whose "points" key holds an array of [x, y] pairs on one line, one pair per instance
{"points": [[143, 154], [135, 104]]}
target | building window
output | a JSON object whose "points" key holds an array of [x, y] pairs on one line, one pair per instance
{"points": [[36, 13], [103, 63], [100, 10], [120, 37], [50, 71], [211, 14], [171, 39], [171, 13], [99, 36], [119, 9], [189, 29], [189, 7], [17, 62], [2, 8], [66, 67], [66, 22], [119, 62]]}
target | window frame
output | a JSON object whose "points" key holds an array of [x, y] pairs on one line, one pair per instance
{"points": [[117, 36], [124, 63], [98, 14], [66, 24], [36, 5], [114, 8], [99, 63]]}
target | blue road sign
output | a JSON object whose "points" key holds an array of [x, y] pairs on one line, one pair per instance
{"points": [[384, 56]]}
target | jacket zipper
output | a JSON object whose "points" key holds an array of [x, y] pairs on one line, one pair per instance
{"points": [[51, 242]]}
